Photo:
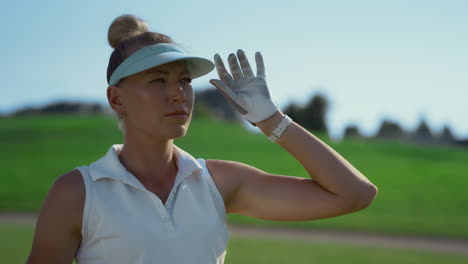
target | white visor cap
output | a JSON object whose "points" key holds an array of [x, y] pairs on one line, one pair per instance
{"points": [[159, 54]]}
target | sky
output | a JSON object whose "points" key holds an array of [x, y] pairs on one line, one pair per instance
{"points": [[402, 61]]}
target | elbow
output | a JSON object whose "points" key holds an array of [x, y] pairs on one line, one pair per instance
{"points": [[366, 198]]}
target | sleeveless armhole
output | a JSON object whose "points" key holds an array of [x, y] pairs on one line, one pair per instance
{"points": [[219, 198], [88, 196]]}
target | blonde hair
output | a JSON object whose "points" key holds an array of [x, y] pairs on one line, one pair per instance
{"points": [[125, 27], [127, 34]]}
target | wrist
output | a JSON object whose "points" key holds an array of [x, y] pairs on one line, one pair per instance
{"points": [[268, 125]]}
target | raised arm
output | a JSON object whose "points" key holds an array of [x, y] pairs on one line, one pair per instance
{"points": [[335, 187], [323, 163]]}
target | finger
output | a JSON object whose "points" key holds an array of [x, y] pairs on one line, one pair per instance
{"points": [[246, 69], [222, 72], [235, 68], [260, 65], [223, 88], [228, 94]]}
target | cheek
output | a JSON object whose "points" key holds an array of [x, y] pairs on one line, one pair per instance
{"points": [[190, 97], [190, 94], [150, 95], [140, 100], [188, 89]]}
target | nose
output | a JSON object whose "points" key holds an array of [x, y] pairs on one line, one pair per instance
{"points": [[176, 93]]}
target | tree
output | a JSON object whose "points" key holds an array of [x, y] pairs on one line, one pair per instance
{"points": [[210, 102], [422, 132], [294, 112], [352, 131], [389, 130], [446, 136], [312, 116], [315, 112]]}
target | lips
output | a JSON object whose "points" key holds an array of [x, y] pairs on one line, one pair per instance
{"points": [[178, 113]]}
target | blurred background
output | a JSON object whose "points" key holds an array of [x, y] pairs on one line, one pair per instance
{"points": [[384, 83]]}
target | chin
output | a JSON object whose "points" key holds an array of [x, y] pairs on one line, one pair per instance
{"points": [[178, 136], [179, 133], [179, 130]]}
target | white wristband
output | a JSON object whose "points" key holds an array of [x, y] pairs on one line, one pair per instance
{"points": [[279, 130]]}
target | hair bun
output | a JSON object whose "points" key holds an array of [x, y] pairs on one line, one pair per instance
{"points": [[125, 27]]}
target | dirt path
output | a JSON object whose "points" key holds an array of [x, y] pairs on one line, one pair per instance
{"points": [[448, 246]]}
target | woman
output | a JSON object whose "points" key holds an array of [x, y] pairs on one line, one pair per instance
{"points": [[148, 201]]}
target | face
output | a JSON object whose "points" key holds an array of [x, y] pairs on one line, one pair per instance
{"points": [[157, 102]]}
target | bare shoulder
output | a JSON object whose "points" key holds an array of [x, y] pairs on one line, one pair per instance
{"points": [[228, 177], [58, 229], [71, 186], [70, 179], [66, 198]]}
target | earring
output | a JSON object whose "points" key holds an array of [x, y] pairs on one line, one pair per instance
{"points": [[120, 115]]}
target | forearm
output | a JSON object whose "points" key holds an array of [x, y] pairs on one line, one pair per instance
{"points": [[324, 165]]}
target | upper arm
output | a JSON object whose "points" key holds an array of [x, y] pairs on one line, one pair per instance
{"points": [[58, 228], [255, 193]]}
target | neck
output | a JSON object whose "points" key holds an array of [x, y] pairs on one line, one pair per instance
{"points": [[151, 162]]}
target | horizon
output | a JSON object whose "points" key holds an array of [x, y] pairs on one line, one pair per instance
{"points": [[244, 122], [401, 61]]}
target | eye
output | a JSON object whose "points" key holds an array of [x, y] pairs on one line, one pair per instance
{"points": [[158, 80], [186, 80]]}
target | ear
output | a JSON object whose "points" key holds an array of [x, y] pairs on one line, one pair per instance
{"points": [[114, 96]]}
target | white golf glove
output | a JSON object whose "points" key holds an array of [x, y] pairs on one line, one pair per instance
{"points": [[247, 93]]}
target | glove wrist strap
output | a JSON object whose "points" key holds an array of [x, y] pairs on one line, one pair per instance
{"points": [[279, 130]]}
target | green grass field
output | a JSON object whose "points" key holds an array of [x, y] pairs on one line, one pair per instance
{"points": [[421, 188], [16, 244]]}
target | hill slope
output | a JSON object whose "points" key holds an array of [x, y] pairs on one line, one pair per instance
{"points": [[421, 189]]}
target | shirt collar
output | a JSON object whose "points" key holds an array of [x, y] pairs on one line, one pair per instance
{"points": [[110, 166]]}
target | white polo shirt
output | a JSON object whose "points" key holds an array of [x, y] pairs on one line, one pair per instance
{"points": [[123, 222]]}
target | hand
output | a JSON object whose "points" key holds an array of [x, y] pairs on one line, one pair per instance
{"points": [[247, 93]]}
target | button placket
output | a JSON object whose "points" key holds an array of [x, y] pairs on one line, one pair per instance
{"points": [[159, 206], [169, 202], [170, 198], [163, 212], [166, 218]]}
